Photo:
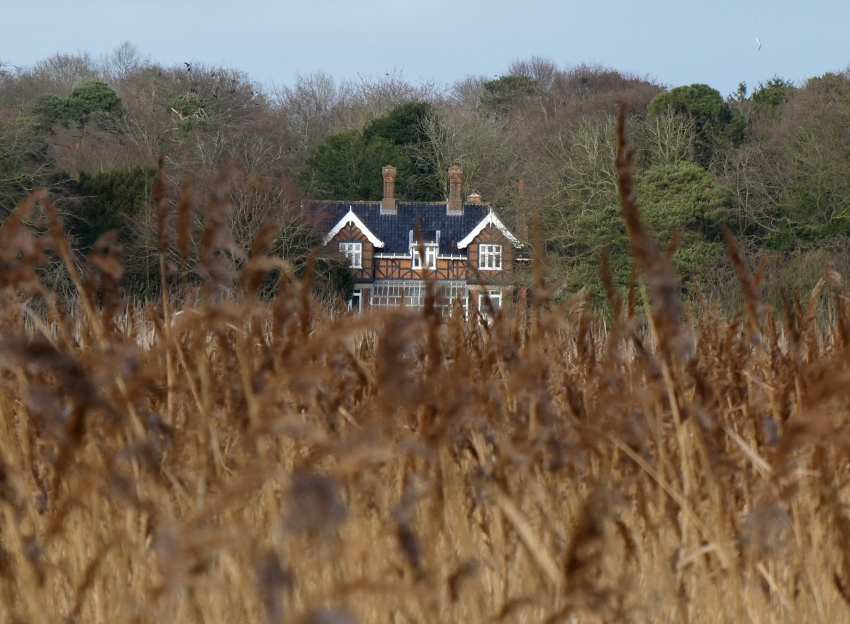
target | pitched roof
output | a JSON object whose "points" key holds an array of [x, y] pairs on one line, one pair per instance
{"points": [[351, 217], [490, 219], [394, 229]]}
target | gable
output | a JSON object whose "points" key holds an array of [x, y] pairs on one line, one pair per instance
{"points": [[490, 219], [350, 218], [490, 234], [351, 233]]}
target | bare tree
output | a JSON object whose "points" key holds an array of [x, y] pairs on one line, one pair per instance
{"points": [[23, 165], [466, 92], [61, 73], [575, 173], [541, 70], [377, 96], [313, 108], [467, 138], [668, 137], [125, 60], [256, 203]]}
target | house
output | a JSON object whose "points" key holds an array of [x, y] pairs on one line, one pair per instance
{"points": [[468, 251]]}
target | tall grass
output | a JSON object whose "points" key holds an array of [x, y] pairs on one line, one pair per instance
{"points": [[253, 460]]}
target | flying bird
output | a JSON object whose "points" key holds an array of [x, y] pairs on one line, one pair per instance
{"points": [[758, 42], [188, 66]]}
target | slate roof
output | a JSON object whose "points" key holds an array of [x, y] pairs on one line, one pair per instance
{"points": [[394, 230]]}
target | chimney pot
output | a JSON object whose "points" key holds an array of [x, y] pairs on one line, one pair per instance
{"points": [[455, 194], [388, 205]]}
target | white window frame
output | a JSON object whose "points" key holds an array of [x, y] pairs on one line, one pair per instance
{"points": [[489, 257], [495, 299], [430, 256], [354, 253], [412, 293]]}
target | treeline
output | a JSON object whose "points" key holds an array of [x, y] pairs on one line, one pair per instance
{"points": [[772, 164]]}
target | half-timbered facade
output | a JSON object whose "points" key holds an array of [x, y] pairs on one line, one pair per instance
{"points": [[391, 247]]}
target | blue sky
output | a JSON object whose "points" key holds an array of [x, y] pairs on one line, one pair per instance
{"points": [[676, 43]]}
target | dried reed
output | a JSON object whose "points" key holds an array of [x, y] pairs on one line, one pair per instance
{"points": [[256, 460]]}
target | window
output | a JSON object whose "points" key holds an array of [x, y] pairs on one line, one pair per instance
{"points": [[490, 257], [390, 293], [354, 253], [430, 256], [393, 294], [495, 300], [449, 293]]}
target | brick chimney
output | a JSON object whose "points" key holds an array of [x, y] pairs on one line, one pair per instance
{"points": [[473, 198], [388, 205], [455, 195]]}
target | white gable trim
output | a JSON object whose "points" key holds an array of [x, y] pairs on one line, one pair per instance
{"points": [[350, 217], [490, 219]]}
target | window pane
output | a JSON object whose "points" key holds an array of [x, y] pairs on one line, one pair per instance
{"points": [[495, 298], [490, 257], [412, 295], [431, 256], [354, 253]]}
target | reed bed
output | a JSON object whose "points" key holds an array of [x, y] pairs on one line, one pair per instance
{"points": [[263, 460]]}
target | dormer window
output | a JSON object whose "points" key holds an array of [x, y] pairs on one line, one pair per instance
{"points": [[354, 253], [490, 257], [430, 256]]}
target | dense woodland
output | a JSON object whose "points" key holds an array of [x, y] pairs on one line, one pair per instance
{"points": [[770, 162]]}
